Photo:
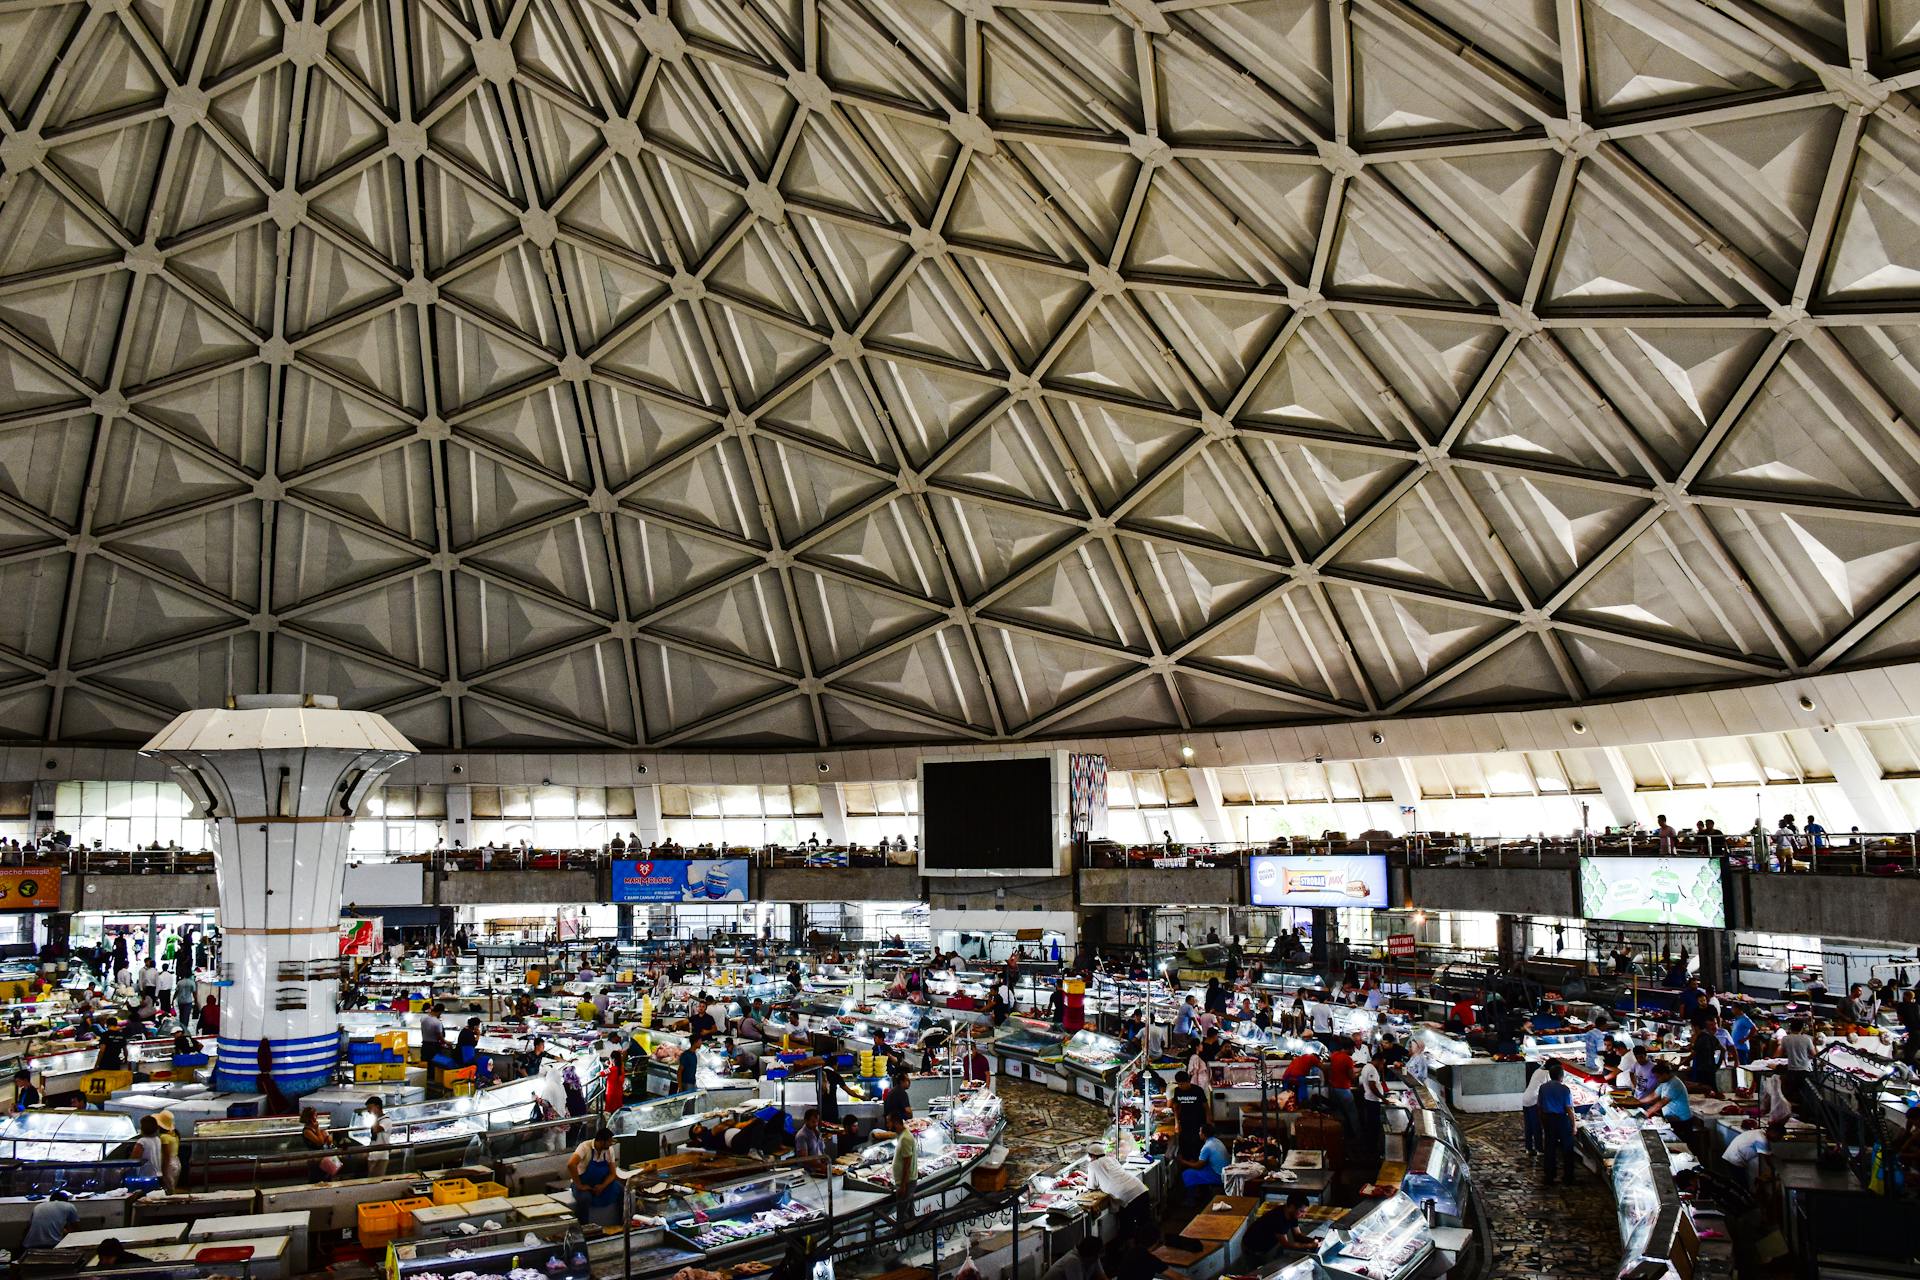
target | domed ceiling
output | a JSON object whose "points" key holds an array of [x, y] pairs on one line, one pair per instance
{"points": [[753, 372]]}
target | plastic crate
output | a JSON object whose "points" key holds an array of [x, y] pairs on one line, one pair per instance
{"points": [[454, 1191], [406, 1206], [490, 1190], [377, 1218]]}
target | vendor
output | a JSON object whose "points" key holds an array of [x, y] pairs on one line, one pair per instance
{"points": [[1279, 1227], [595, 1171], [51, 1220], [1190, 1108], [1669, 1100], [1207, 1167], [25, 1096], [1082, 1262], [687, 1075]]}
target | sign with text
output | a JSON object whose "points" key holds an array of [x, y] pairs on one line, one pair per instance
{"points": [[1319, 880], [362, 938], [1401, 945], [30, 889], [695, 880]]}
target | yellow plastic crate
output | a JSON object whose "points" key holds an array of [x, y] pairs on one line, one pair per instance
{"points": [[454, 1191], [489, 1190], [406, 1206], [378, 1072], [379, 1218]]}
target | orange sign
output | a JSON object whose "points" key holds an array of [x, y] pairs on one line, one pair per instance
{"points": [[30, 889]]}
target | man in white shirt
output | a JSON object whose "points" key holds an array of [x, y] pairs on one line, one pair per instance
{"points": [[1373, 1105], [1750, 1148], [1322, 1017], [1530, 1110]]}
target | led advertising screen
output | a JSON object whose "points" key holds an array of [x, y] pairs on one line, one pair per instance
{"points": [[988, 815], [1679, 891], [1316, 880], [699, 880]]}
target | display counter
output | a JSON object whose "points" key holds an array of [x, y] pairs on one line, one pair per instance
{"points": [[1387, 1239], [1093, 1062], [721, 1218], [1028, 1050]]}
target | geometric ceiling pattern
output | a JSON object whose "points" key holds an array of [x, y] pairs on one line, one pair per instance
{"points": [[818, 372]]}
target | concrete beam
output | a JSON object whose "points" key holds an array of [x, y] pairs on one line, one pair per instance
{"points": [[1151, 887], [1861, 779], [833, 813], [1213, 810], [1406, 793], [838, 884], [1619, 805]]}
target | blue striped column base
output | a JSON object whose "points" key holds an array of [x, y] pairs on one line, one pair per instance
{"points": [[299, 1066]]}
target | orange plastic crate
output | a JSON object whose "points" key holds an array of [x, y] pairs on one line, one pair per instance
{"points": [[454, 1191], [377, 1218]]}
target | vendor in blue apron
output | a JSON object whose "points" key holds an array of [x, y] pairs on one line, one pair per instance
{"points": [[595, 1171]]}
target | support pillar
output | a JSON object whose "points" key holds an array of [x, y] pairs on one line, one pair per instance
{"points": [[623, 922], [1212, 809], [1406, 793], [459, 816], [1617, 797], [1861, 780], [646, 816], [833, 813], [279, 777]]}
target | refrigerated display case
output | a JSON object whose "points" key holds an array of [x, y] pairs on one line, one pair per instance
{"points": [[64, 1137], [1026, 1050], [1657, 1234], [1379, 1240], [660, 1127], [1094, 1062], [941, 1157], [974, 1116], [1443, 1049], [727, 1216]]}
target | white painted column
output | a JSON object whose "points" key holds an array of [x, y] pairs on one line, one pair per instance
{"points": [[833, 812], [279, 776], [459, 816], [646, 816], [1619, 802], [1861, 780], [1405, 786], [1213, 810]]}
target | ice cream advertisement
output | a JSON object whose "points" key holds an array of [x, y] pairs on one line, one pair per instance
{"points": [[699, 880], [1318, 880], [1677, 891]]}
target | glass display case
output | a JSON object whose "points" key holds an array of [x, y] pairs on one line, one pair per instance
{"points": [[658, 1127], [940, 1155], [1437, 1175], [1443, 1049], [1025, 1041], [727, 1216], [1379, 1240], [64, 1137], [974, 1116], [1655, 1229], [1095, 1056], [557, 1251]]}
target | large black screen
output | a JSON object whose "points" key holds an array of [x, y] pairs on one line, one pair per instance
{"points": [[985, 815]]}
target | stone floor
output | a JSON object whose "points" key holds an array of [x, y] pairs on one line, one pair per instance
{"points": [[1540, 1232], [1046, 1129]]}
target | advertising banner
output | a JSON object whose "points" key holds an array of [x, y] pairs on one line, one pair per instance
{"points": [[1677, 891], [362, 938], [700, 880], [826, 858], [1319, 880], [30, 889]]}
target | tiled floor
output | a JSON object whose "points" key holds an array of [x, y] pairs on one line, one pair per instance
{"points": [[1540, 1232]]}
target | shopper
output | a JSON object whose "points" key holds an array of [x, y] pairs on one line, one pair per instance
{"points": [[1556, 1124], [1797, 1049], [1340, 1090]]}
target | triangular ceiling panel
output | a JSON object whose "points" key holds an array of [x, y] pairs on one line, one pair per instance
{"points": [[775, 375]]}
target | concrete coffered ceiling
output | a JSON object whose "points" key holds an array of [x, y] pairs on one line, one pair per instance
{"points": [[840, 372]]}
